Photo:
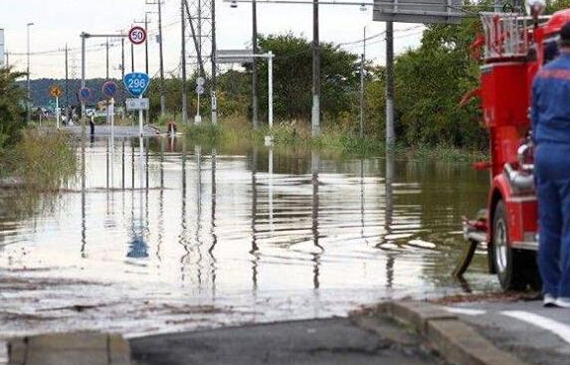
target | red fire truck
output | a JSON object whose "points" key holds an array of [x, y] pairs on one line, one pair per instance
{"points": [[513, 49]]}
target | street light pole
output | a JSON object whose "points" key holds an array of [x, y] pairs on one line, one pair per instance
{"points": [[28, 111]]}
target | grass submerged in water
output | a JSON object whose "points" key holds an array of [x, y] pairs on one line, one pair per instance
{"points": [[41, 160], [236, 133]]}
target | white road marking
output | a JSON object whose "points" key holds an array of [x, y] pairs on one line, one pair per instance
{"points": [[466, 311], [560, 329]]}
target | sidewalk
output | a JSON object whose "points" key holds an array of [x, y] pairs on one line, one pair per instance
{"points": [[403, 333], [69, 349]]}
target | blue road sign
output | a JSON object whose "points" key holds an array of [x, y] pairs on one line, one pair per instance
{"points": [[85, 94], [109, 89], [136, 83]]}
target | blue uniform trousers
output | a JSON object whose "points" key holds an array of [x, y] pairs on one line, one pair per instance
{"points": [[552, 173]]}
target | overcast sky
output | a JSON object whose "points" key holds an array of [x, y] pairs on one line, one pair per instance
{"points": [[59, 22]]}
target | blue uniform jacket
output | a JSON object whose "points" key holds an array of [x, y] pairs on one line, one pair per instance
{"points": [[550, 111]]}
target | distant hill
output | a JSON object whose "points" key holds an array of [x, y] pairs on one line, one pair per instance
{"points": [[41, 97]]}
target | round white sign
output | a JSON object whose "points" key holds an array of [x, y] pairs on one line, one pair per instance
{"points": [[137, 35]]}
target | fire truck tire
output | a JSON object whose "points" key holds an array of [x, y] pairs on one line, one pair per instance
{"points": [[511, 264]]}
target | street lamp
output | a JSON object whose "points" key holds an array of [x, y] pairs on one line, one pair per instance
{"points": [[29, 113]]}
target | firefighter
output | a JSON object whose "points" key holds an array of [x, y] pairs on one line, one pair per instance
{"points": [[551, 137]]}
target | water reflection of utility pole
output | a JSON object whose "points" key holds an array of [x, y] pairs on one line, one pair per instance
{"points": [[315, 166], [83, 196], [198, 154], [254, 248], [123, 167], [213, 219], [147, 160], [160, 203], [362, 233], [183, 233], [270, 200], [389, 180], [132, 164], [107, 158]]}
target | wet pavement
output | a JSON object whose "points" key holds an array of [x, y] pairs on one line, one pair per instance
{"points": [[330, 342], [189, 237], [535, 334]]}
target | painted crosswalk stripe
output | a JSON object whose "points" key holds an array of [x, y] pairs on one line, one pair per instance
{"points": [[560, 329]]}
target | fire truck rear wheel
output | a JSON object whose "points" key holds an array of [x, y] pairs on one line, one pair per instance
{"points": [[511, 264]]}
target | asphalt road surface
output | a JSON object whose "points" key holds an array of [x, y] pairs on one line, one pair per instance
{"points": [[534, 334], [330, 341]]}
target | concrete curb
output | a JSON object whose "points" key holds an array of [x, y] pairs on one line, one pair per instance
{"points": [[457, 342]]}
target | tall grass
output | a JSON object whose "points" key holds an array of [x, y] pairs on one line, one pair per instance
{"points": [[236, 132], [41, 160]]}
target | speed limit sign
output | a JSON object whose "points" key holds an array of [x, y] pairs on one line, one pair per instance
{"points": [[137, 35]]}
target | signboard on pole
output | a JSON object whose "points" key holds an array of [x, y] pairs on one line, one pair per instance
{"points": [[422, 11], [85, 94], [2, 54], [137, 35], [55, 91], [136, 83], [234, 56], [109, 89], [137, 104]]}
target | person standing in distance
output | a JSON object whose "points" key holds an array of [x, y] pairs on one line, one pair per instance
{"points": [[551, 136]]}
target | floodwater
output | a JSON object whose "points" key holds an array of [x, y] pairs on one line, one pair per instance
{"points": [[210, 238]]}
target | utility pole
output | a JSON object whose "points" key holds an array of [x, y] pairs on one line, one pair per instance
{"points": [[196, 41], [145, 22], [162, 97], [316, 111], [146, 42], [29, 106], [362, 61], [67, 82], [122, 58], [107, 58], [254, 100], [132, 57], [184, 86], [390, 136], [84, 36], [214, 68]]}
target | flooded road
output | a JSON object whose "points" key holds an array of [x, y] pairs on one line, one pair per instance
{"points": [[190, 237]]}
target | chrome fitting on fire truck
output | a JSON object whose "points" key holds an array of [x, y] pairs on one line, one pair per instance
{"points": [[522, 182]]}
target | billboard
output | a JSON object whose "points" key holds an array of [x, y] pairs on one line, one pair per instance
{"points": [[2, 55], [422, 11]]}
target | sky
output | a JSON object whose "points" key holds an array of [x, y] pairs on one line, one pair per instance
{"points": [[60, 22]]}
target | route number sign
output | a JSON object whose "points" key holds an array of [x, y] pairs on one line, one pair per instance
{"points": [[55, 91], [136, 83], [137, 35]]}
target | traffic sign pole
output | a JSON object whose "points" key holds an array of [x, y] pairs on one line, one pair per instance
{"points": [[57, 111], [111, 111], [141, 146]]}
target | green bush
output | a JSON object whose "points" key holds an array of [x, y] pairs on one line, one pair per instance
{"points": [[12, 111]]}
